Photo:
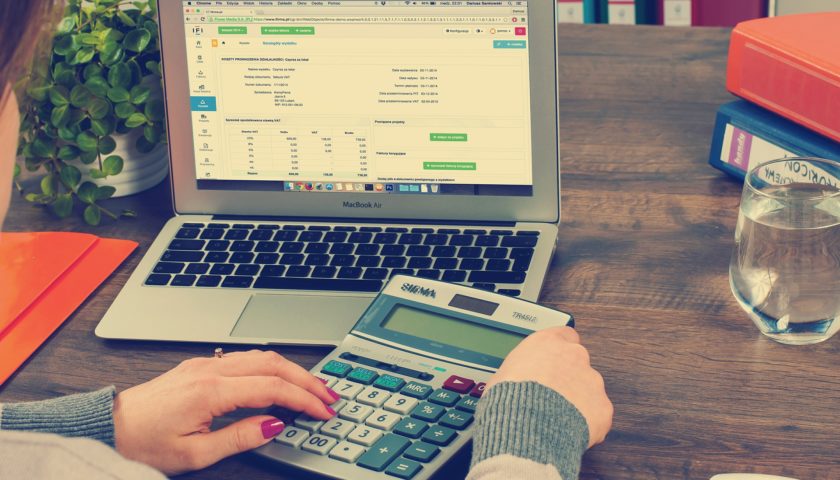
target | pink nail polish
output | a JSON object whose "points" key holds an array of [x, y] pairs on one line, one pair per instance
{"points": [[333, 394], [272, 428], [322, 380], [330, 409]]}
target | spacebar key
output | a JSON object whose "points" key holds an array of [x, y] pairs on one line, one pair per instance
{"points": [[329, 284]]}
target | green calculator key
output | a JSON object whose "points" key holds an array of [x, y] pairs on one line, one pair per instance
{"points": [[336, 368], [389, 382], [362, 375], [417, 390]]}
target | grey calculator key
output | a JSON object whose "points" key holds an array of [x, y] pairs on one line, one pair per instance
{"points": [[319, 444], [364, 435], [347, 390], [400, 404], [403, 468], [308, 423], [347, 452], [373, 397], [329, 380], [355, 412], [467, 404], [422, 452], [292, 437], [338, 404], [428, 412], [338, 428], [444, 397], [382, 419]]}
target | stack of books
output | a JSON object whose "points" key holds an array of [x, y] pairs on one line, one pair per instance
{"points": [[786, 70]]}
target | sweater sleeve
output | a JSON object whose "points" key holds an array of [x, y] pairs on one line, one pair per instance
{"points": [[527, 427], [89, 415]]}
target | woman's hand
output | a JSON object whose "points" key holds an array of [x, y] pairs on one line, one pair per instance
{"points": [[555, 358], [165, 423]]}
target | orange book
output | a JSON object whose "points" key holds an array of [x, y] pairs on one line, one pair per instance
{"points": [[791, 66], [44, 277]]}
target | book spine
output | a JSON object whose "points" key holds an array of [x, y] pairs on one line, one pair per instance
{"points": [[784, 83]]}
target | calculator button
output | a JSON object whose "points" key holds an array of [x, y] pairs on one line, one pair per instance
{"points": [[347, 452], [422, 451], [355, 412], [411, 427], [389, 382], [362, 375], [403, 468], [347, 390], [444, 397], [428, 412], [400, 404], [467, 404], [417, 390], [383, 452], [308, 423], [338, 404], [292, 437], [382, 419], [336, 368], [457, 420], [338, 428], [478, 390], [366, 436], [328, 380], [437, 435], [319, 444], [458, 384], [373, 397]]}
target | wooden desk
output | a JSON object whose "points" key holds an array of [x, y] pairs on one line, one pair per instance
{"points": [[641, 262]]}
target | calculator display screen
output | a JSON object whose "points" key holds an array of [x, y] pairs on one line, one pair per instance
{"points": [[451, 331]]}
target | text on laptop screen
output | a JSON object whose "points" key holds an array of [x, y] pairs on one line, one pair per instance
{"points": [[423, 97]]}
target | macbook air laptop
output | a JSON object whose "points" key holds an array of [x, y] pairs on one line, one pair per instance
{"points": [[318, 148]]}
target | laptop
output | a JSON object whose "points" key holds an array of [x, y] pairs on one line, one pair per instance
{"points": [[318, 148]]}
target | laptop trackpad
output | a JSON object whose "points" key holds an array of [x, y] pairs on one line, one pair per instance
{"points": [[302, 319]]}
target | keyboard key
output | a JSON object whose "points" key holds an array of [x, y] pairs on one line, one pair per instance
{"points": [[360, 237], [272, 271], [368, 261], [364, 435], [417, 390], [469, 252], [292, 437], [461, 240], [383, 452], [422, 230], [403, 271], [510, 292], [435, 239], [428, 412], [298, 271], [467, 404], [308, 423], [192, 225], [349, 272], [339, 429], [319, 228], [291, 259], [182, 256], [400, 404], [217, 245], [497, 277], [222, 269], [446, 263], [402, 468], [389, 382], [457, 420], [410, 239], [393, 262], [169, 267], [490, 287], [242, 246], [430, 274], [267, 246], [237, 282], [367, 249], [444, 251], [444, 397], [242, 257], [320, 284], [528, 232], [158, 279], [501, 264], [454, 276], [495, 253], [458, 384], [335, 237], [285, 236], [317, 248], [294, 227], [347, 390], [411, 427], [487, 241], [212, 233], [197, 268], [472, 264], [519, 241], [219, 225], [183, 281], [419, 251], [310, 236], [208, 281], [370, 229], [449, 231], [319, 444], [501, 232], [268, 226], [372, 396], [355, 412], [385, 238], [375, 273], [336, 368], [243, 225], [382, 419], [422, 452], [440, 435], [396, 229], [420, 262], [344, 228], [393, 250], [291, 247], [216, 257], [324, 272], [236, 234], [267, 258], [261, 235], [347, 452], [362, 375], [521, 253], [473, 231]]}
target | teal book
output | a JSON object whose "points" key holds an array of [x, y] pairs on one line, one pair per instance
{"points": [[577, 11], [627, 12]]}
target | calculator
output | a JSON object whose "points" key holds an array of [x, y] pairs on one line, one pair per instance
{"points": [[410, 375]]}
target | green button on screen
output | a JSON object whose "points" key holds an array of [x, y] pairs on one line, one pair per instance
{"points": [[448, 165], [233, 30], [448, 137], [272, 30]]}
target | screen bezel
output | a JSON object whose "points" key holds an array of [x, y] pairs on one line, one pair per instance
{"points": [[543, 206]]}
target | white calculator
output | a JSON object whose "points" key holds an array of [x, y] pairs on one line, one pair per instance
{"points": [[410, 375]]}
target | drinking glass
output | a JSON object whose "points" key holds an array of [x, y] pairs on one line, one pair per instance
{"points": [[785, 268]]}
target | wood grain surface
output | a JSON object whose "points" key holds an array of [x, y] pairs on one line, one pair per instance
{"points": [[647, 230]]}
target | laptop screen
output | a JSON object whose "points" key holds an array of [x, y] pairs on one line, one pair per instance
{"points": [[386, 97]]}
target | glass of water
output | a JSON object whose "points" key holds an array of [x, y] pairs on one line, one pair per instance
{"points": [[785, 269]]}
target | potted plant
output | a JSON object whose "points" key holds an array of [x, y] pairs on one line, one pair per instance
{"points": [[92, 116]]}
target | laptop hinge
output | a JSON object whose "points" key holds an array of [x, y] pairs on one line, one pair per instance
{"points": [[373, 221]]}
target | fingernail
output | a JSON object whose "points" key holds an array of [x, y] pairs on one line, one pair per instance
{"points": [[332, 393], [330, 409], [272, 428], [322, 380]]}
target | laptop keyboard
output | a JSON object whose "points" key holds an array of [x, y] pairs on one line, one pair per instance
{"points": [[341, 258]]}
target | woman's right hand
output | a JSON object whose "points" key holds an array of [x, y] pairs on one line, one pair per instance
{"points": [[555, 358]]}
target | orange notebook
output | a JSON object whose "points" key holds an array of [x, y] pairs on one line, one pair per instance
{"points": [[44, 277]]}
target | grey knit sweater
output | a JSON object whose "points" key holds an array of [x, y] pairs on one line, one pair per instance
{"points": [[523, 430]]}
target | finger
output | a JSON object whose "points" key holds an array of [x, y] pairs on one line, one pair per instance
{"points": [[261, 392], [267, 363], [569, 334], [208, 448]]}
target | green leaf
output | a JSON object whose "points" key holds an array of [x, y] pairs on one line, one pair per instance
{"points": [[88, 157], [91, 71], [80, 96], [89, 39], [119, 75], [63, 205], [39, 198], [126, 19], [66, 24], [92, 215], [139, 94], [96, 173], [152, 134], [84, 55], [87, 142], [67, 134], [17, 171], [111, 53], [124, 110], [68, 152], [112, 165], [87, 192], [135, 120], [107, 145], [60, 115], [70, 176], [98, 86], [76, 117], [59, 95], [64, 45], [65, 78], [153, 67], [118, 95], [106, 192], [137, 40], [103, 126], [154, 110], [38, 92], [98, 108], [48, 185], [43, 146]]}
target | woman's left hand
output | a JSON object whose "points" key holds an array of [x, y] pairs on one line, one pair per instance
{"points": [[165, 423]]}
